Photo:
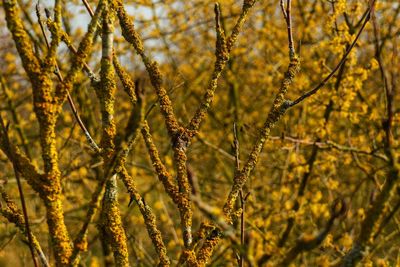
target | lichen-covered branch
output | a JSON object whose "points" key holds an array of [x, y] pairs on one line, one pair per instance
{"points": [[132, 36], [224, 46], [78, 61], [55, 29], [111, 222], [46, 110], [148, 217], [25, 166], [162, 173], [179, 198], [127, 83], [21, 39], [80, 242], [278, 108], [212, 238]]}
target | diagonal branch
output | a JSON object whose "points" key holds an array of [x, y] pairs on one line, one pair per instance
{"points": [[341, 62], [224, 46], [132, 36]]}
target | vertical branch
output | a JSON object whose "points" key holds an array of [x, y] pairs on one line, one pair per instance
{"points": [[179, 148], [56, 31], [236, 148], [78, 60], [46, 110], [243, 200], [288, 17], [112, 224], [135, 123], [111, 221], [21, 39], [80, 242], [50, 59]]}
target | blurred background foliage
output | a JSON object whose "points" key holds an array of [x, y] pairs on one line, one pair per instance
{"points": [[335, 139]]}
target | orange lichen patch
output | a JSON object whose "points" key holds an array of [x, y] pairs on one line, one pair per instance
{"points": [[190, 258], [21, 39], [106, 89], [180, 161], [127, 83], [12, 212], [163, 98], [204, 229], [82, 246], [205, 252], [112, 223], [25, 166], [247, 5], [185, 188], [60, 237], [127, 26]]}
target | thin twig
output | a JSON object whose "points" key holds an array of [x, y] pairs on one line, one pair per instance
{"points": [[243, 200], [288, 18], [346, 54], [21, 192], [236, 147]]}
